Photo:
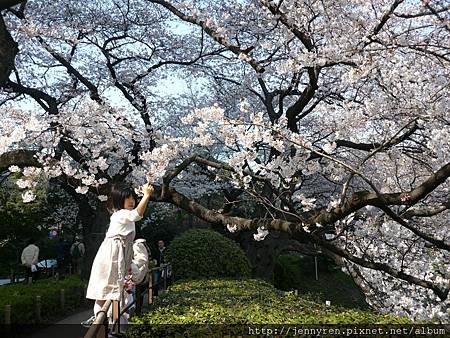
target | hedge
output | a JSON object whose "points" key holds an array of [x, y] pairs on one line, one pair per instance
{"points": [[22, 298], [201, 253], [246, 301]]}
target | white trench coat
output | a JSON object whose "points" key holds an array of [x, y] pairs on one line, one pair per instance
{"points": [[113, 259]]}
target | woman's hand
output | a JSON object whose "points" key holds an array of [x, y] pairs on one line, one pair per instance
{"points": [[147, 189]]}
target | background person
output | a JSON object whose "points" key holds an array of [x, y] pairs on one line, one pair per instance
{"points": [[60, 255], [77, 251], [29, 258], [159, 260]]}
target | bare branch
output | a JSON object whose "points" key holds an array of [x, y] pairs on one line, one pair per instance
{"points": [[438, 243], [382, 22], [217, 37], [441, 293]]}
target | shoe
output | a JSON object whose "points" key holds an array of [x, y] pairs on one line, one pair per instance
{"points": [[88, 322]]}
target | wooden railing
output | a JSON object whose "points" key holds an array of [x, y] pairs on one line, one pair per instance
{"points": [[100, 327]]}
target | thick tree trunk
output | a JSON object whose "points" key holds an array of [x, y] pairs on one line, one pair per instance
{"points": [[8, 51], [21, 158], [95, 223], [262, 254]]}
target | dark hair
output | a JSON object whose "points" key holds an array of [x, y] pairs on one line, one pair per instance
{"points": [[119, 192]]}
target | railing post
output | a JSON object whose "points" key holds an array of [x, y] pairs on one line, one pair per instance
{"points": [[38, 309], [7, 320], [62, 298], [8, 314], [116, 316], [315, 268], [150, 287]]}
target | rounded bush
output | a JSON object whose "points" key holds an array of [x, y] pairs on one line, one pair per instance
{"points": [[201, 253]]}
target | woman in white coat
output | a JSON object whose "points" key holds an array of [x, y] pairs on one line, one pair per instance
{"points": [[114, 256]]}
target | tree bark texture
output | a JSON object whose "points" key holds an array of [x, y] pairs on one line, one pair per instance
{"points": [[8, 52]]}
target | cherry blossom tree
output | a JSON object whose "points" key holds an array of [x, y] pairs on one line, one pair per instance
{"points": [[324, 119]]}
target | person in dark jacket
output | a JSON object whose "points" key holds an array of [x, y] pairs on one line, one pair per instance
{"points": [[77, 251], [160, 253]]}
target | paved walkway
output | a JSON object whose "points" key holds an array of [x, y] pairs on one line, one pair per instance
{"points": [[69, 327], [77, 318]]}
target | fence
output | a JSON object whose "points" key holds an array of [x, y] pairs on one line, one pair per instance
{"points": [[100, 327]]}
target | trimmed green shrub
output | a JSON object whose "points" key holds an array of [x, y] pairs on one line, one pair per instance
{"points": [[201, 253], [296, 271], [246, 301], [22, 298]]}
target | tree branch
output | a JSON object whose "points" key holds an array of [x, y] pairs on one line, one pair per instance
{"points": [[296, 229], [426, 211], [441, 293], [372, 146], [201, 160], [216, 36], [21, 158], [438, 243], [9, 3], [369, 39]]}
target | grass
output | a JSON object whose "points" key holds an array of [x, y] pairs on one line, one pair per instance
{"points": [[295, 271]]}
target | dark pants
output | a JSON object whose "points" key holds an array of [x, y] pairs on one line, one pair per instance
{"points": [[62, 266], [29, 273], [76, 265], [156, 276]]}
